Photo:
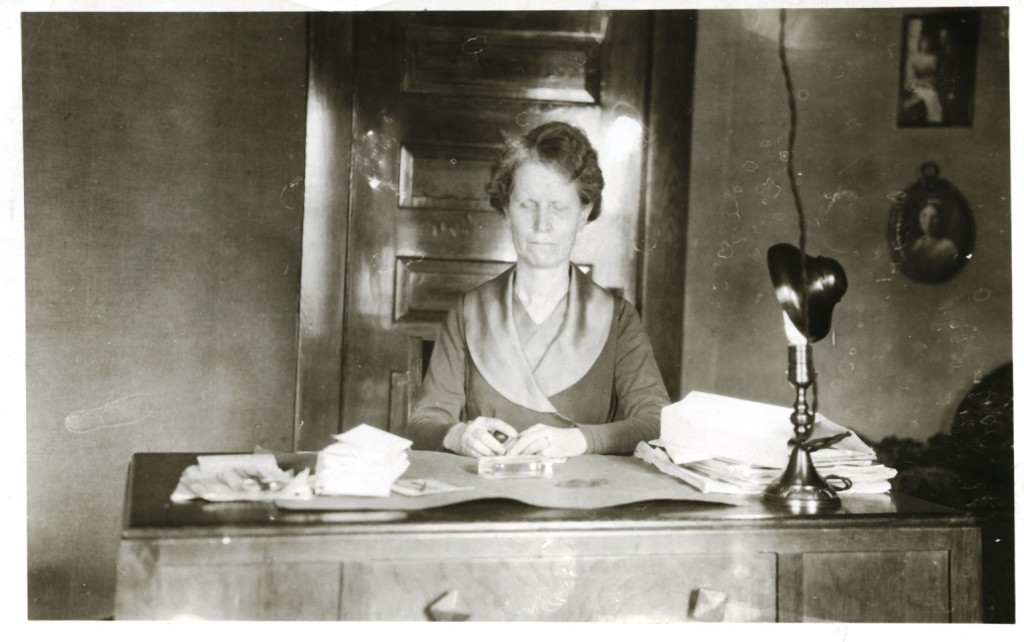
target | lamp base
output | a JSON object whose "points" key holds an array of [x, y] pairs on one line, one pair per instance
{"points": [[801, 487]]}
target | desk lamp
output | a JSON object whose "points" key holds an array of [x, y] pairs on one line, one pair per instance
{"points": [[808, 289]]}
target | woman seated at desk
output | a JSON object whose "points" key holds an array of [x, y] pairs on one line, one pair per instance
{"points": [[541, 354]]}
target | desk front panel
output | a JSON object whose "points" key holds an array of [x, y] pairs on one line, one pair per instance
{"points": [[879, 558], [725, 572]]}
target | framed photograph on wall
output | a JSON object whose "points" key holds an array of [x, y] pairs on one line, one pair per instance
{"points": [[931, 228], [940, 52]]}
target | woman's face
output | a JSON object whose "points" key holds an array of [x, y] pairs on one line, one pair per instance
{"points": [[929, 220], [545, 215], [925, 45]]}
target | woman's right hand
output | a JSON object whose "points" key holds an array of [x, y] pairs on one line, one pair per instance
{"points": [[477, 438]]}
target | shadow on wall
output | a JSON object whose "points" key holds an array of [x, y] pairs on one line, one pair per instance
{"points": [[971, 469]]}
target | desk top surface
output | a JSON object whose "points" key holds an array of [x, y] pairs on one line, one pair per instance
{"points": [[152, 477]]}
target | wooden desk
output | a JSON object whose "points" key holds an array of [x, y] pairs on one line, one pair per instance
{"points": [[878, 558]]}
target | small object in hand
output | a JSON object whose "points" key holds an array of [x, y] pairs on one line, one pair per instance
{"points": [[505, 439]]}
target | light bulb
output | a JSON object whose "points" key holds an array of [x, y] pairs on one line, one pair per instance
{"points": [[793, 335]]}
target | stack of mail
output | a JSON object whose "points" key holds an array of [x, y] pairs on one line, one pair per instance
{"points": [[726, 445], [363, 461]]}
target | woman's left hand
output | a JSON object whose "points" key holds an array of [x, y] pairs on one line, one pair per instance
{"points": [[548, 441]]}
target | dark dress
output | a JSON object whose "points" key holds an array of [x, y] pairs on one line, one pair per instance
{"points": [[598, 374]]}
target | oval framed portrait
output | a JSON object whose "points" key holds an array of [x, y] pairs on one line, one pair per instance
{"points": [[931, 228]]}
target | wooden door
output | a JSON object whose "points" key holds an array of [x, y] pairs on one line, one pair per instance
{"points": [[433, 94]]}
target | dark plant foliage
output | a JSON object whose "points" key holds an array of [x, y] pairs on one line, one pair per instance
{"points": [[971, 469]]}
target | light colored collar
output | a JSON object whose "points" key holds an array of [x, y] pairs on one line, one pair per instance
{"points": [[498, 355]]}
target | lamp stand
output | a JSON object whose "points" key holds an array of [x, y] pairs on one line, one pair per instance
{"points": [[801, 487]]}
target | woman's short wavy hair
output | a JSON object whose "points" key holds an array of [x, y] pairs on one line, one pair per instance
{"points": [[556, 144]]}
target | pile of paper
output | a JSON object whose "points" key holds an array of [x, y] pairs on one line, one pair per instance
{"points": [[725, 445], [363, 461]]}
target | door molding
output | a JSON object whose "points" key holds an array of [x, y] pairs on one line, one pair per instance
{"points": [[661, 272], [661, 237], [324, 229]]}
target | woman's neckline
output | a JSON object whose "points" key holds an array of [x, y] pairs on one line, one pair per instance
{"points": [[540, 295]]}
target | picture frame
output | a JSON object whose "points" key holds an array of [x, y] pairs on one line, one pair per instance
{"points": [[931, 228], [937, 69]]}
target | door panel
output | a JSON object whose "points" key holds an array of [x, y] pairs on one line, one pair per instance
{"points": [[433, 94]]}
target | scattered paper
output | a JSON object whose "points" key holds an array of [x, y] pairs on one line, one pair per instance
{"points": [[657, 457], [247, 478], [418, 487]]}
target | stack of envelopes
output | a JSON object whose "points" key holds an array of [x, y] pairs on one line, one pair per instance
{"points": [[363, 461], [727, 445]]}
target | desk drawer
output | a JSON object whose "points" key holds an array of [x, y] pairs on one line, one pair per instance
{"points": [[616, 588]]}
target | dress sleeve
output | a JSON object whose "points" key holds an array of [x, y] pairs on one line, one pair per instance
{"points": [[442, 395], [638, 387]]}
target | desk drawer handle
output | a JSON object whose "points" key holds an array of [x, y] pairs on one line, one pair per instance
{"points": [[448, 608], [707, 605]]}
